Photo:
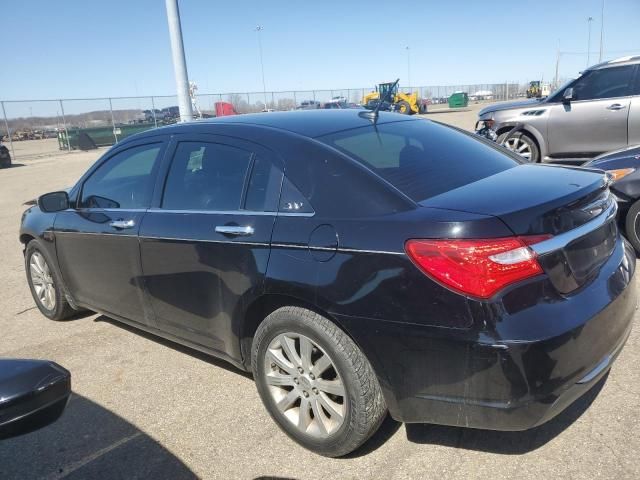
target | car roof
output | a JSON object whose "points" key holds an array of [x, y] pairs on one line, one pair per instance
{"points": [[629, 60], [309, 123]]}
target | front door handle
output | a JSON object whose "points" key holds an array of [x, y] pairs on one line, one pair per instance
{"points": [[123, 224], [615, 106], [234, 230]]}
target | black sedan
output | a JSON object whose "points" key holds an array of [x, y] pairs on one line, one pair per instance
{"points": [[5, 157], [356, 265], [624, 167]]}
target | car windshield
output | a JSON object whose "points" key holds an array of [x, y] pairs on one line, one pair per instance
{"points": [[422, 159]]}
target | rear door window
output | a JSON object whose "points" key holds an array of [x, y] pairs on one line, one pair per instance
{"points": [[422, 159], [206, 176]]}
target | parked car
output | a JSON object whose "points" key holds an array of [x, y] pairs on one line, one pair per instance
{"points": [[309, 105], [355, 263], [5, 157], [624, 167], [33, 394], [593, 114]]}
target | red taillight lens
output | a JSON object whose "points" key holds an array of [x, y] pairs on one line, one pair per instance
{"points": [[479, 268]]}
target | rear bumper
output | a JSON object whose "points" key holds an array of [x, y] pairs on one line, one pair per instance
{"points": [[530, 359]]}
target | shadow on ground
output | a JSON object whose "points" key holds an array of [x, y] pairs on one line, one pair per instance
{"points": [[88, 441], [505, 443]]}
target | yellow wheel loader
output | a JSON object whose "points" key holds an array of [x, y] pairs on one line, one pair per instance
{"points": [[406, 103]]}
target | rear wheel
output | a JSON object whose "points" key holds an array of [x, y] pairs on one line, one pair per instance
{"points": [[315, 382], [632, 226], [523, 145], [45, 283], [403, 107]]}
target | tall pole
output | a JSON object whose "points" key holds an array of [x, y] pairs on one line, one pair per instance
{"points": [[259, 28], [555, 79], [601, 31], [408, 66], [6, 125], [589, 20], [179, 61]]}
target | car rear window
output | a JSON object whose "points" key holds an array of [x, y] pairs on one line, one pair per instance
{"points": [[421, 159]]}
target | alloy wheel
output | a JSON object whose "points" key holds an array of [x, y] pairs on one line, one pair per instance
{"points": [[520, 147], [305, 385], [42, 281]]}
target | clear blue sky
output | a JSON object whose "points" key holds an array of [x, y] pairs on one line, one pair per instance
{"points": [[79, 48]]}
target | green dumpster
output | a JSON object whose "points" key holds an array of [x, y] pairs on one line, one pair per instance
{"points": [[99, 136], [458, 99]]}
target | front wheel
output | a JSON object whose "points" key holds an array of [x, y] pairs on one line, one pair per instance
{"points": [[315, 382], [523, 145], [632, 226], [45, 283], [403, 107]]}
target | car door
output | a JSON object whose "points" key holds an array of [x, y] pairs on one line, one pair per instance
{"points": [[206, 244], [634, 112], [97, 240], [595, 120]]}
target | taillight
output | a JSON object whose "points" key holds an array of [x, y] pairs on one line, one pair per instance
{"points": [[478, 268]]}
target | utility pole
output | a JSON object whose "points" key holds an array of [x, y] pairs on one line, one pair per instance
{"points": [[555, 79], [259, 28], [179, 61], [601, 31], [408, 66], [589, 20]]}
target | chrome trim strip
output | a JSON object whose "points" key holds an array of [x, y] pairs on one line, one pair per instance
{"points": [[110, 234], [606, 362], [198, 240], [230, 212], [560, 241]]}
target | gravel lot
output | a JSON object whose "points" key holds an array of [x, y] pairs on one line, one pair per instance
{"points": [[147, 408]]}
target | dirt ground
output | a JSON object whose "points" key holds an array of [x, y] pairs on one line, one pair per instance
{"points": [[147, 408]]}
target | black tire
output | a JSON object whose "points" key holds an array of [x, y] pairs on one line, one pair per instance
{"points": [[403, 107], [632, 226], [521, 136], [61, 310], [364, 405]]}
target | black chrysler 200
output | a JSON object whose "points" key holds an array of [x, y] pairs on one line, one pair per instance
{"points": [[354, 267]]}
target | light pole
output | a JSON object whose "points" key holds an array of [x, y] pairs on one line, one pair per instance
{"points": [[601, 31], [589, 20], [408, 66], [259, 28], [179, 62]]}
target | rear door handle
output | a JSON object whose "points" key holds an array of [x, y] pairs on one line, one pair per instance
{"points": [[234, 230], [123, 224], [615, 106]]}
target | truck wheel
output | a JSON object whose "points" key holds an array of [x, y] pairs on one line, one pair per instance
{"points": [[523, 145], [632, 226], [315, 382], [403, 107]]}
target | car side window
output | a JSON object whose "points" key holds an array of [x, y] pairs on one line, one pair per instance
{"points": [[292, 201], [264, 186], [606, 83], [124, 181], [206, 176]]}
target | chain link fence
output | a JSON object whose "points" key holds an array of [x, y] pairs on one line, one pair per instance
{"points": [[37, 128]]}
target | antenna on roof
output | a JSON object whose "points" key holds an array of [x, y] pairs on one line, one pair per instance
{"points": [[373, 114]]}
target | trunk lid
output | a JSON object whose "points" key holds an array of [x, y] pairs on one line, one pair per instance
{"points": [[568, 203]]}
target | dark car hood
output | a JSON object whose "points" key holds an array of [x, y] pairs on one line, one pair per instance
{"points": [[606, 160], [496, 107]]}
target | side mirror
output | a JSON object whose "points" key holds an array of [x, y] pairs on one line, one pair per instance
{"points": [[53, 202], [567, 96], [33, 394]]}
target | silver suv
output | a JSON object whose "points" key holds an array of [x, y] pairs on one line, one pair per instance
{"points": [[595, 113]]}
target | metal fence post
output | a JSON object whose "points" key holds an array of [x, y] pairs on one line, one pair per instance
{"points": [[6, 124], [64, 125], [113, 122], [314, 96], [153, 112]]}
